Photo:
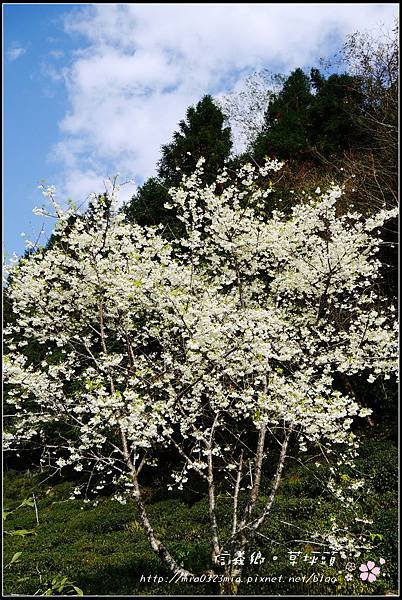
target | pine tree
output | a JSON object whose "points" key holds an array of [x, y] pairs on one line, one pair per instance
{"points": [[287, 125], [147, 205], [202, 133], [334, 112]]}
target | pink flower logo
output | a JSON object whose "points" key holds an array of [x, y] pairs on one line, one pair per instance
{"points": [[369, 571]]}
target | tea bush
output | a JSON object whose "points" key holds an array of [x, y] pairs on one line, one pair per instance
{"points": [[104, 550]]}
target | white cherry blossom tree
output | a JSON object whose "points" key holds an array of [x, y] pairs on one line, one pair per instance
{"points": [[216, 345]]}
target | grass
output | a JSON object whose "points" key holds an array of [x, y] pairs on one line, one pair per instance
{"points": [[103, 550]]}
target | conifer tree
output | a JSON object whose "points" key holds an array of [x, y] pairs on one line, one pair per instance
{"points": [[202, 133], [287, 126]]}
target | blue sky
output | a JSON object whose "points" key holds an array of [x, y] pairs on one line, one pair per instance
{"points": [[92, 90], [34, 105]]}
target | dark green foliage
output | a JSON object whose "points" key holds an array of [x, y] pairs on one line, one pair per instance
{"points": [[379, 462], [147, 207], [389, 257], [334, 114], [104, 550], [312, 116], [381, 396], [202, 133], [288, 117], [55, 239]]}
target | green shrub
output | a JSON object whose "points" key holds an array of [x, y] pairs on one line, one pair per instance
{"points": [[104, 551]]}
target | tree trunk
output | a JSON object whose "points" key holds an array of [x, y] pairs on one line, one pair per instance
{"points": [[228, 588], [231, 581]]}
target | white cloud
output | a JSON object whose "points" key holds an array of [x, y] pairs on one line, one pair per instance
{"points": [[15, 52], [56, 53], [143, 65]]}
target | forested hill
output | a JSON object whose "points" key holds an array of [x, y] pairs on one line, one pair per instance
{"points": [[339, 127]]}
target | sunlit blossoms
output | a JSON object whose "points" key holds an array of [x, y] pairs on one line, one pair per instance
{"points": [[217, 344]]}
